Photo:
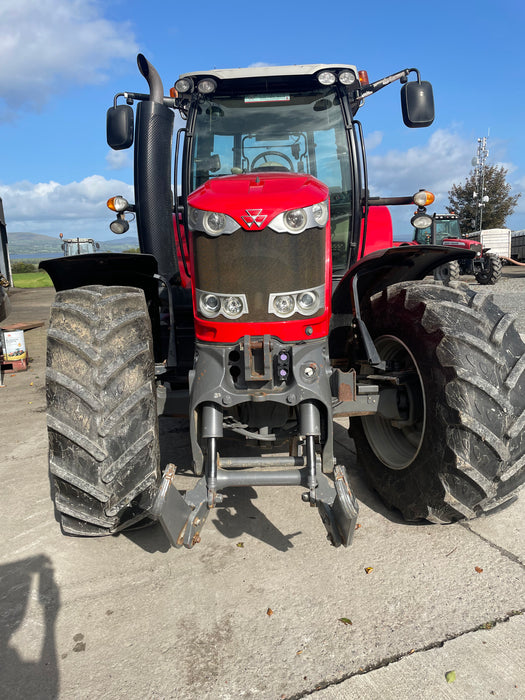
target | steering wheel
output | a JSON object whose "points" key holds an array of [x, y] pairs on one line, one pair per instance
{"points": [[270, 165]]}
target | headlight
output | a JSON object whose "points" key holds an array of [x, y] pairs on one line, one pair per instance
{"points": [[194, 216], [320, 213], [211, 222], [346, 77], [283, 305], [421, 221], [326, 77], [298, 220], [206, 86], [295, 220], [306, 302], [214, 223], [211, 305], [232, 307], [184, 85]]}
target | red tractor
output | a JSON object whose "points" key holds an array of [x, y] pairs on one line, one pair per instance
{"points": [[444, 230], [269, 288]]}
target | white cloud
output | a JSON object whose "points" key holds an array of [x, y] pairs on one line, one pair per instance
{"points": [[48, 45], [373, 140], [48, 207], [117, 160], [444, 160], [436, 165]]}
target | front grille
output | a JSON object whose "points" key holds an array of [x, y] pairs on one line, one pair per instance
{"points": [[259, 263]]}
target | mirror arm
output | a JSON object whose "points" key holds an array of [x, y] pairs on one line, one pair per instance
{"points": [[174, 102], [379, 84]]}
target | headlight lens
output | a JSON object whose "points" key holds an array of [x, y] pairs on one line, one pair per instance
{"points": [[210, 305], [214, 223], [232, 307], [211, 222], [206, 86], [184, 85], [320, 213], [326, 77], [295, 220], [307, 301], [284, 305], [194, 215], [421, 221], [346, 77]]}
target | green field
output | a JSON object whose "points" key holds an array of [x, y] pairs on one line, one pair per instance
{"points": [[30, 280]]}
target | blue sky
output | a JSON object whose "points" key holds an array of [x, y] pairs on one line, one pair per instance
{"points": [[62, 61]]}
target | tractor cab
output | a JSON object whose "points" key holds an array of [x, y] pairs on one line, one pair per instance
{"points": [[443, 227]]}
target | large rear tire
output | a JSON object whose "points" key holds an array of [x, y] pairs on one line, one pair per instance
{"points": [[102, 415], [459, 452]]}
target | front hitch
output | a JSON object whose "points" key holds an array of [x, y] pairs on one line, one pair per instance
{"points": [[183, 516]]}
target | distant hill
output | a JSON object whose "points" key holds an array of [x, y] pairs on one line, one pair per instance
{"points": [[35, 244]]}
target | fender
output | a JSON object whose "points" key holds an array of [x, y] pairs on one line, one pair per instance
{"points": [[110, 269], [380, 269], [134, 270]]}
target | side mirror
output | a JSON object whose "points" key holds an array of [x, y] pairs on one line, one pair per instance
{"points": [[417, 103], [119, 127]]}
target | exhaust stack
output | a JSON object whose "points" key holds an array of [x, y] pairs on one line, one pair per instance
{"points": [[153, 195]]}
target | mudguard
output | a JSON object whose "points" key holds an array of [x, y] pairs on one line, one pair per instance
{"points": [[111, 269], [382, 268]]}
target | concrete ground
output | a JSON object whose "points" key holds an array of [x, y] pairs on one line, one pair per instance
{"points": [[263, 607]]}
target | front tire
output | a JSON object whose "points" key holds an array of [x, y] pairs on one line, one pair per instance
{"points": [[491, 269], [459, 450], [102, 415], [447, 273]]}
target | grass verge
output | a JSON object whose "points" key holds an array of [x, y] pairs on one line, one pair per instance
{"points": [[31, 280]]}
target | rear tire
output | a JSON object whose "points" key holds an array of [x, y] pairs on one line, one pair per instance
{"points": [[491, 270], [463, 361], [102, 414]]}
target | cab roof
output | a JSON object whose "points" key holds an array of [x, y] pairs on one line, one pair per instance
{"points": [[270, 71]]}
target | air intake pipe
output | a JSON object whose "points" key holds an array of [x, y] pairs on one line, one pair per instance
{"points": [[153, 195]]}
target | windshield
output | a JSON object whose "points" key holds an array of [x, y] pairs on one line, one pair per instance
{"points": [[290, 132], [448, 228]]}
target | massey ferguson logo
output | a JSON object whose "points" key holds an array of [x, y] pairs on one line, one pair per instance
{"points": [[254, 216]]}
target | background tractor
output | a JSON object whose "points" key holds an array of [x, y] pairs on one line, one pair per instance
{"points": [[270, 288], [78, 246], [486, 266]]}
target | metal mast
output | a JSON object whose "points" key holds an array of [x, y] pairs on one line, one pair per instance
{"points": [[479, 163]]}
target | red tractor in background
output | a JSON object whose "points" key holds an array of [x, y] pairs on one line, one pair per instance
{"points": [[444, 230], [269, 287]]}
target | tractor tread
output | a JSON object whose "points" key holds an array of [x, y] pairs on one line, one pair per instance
{"points": [[475, 358], [102, 416]]}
